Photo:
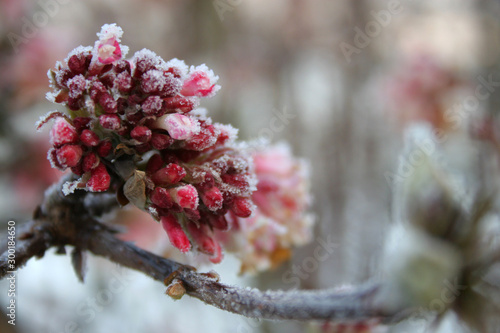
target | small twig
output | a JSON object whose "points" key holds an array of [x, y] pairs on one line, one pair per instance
{"points": [[297, 305]]}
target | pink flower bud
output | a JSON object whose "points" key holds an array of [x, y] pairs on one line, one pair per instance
{"points": [[201, 82], [108, 49], [212, 198], [175, 233], [170, 174], [180, 127], [99, 179], [141, 134], [62, 133], [185, 196], [89, 138], [110, 121], [242, 207], [69, 155]]}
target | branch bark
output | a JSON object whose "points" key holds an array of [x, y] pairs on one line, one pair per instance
{"points": [[64, 220]]}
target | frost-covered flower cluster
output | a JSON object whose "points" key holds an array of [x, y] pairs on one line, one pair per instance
{"points": [[133, 126]]}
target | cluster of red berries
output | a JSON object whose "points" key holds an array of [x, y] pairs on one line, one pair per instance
{"points": [[144, 111]]}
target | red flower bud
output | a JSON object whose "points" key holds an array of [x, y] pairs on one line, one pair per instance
{"points": [[183, 104], [81, 123], [175, 233], [242, 207], [62, 133], [212, 198], [206, 244], [152, 106], [89, 138], [99, 179], [170, 174], [110, 121], [90, 162], [201, 82], [96, 90], [124, 82], [78, 64], [161, 141], [104, 148], [141, 134], [108, 103], [161, 197], [239, 181], [185, 196], [69, 155]]}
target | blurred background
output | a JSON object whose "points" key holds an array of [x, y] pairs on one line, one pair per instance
{"points": [[344, 78]]}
